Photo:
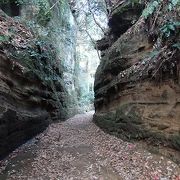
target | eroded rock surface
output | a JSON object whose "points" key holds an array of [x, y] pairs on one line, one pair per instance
{"points": [[29, 98], [137, 86]]}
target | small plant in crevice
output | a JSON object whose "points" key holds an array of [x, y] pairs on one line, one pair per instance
{"points": [[169, 28]]}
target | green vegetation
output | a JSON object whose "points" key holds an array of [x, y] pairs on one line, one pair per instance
{"points": [[154, 5], [169, 28], [150, 8], [175, 139], [39, 59], [172, 4], [44, 10], [176, 45], [4, 38]]}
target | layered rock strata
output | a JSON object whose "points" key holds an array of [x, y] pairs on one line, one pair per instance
{"points": [[137, 84], [32, 90]]}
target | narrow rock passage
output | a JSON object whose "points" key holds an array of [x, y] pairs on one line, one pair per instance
{"points": [[78, 150]]}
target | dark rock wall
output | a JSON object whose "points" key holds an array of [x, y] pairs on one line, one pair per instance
{"points": [[137, 88], [32, 88], [23, 105]]}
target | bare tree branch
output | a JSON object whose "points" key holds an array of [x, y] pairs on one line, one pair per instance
{"points": [[94, 17], [92, 40]]}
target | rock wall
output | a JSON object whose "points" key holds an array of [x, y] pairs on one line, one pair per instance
{"points": [[34, 90], [60, 30], [137, 84]]}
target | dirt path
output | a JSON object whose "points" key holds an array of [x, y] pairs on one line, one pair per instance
{"points": [[78, 150]]}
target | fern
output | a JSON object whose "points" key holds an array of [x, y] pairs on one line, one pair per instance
{"points": [[169, 28], [177, 46], [4, 38], [172, 4], [3, 2], [150, 8]]}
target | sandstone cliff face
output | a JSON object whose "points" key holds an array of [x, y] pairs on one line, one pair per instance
{"points": [[60, 29], [32, 88], [137, 85]]}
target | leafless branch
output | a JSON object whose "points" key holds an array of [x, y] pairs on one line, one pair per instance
{"points": [[89, 7]]}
